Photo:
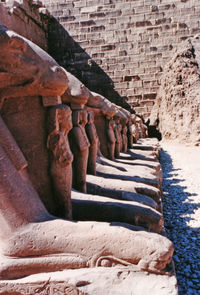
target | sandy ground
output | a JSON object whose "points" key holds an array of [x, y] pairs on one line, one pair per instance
{"points": [[181, 199]]}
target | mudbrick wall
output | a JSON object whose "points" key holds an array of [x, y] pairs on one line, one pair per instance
{"points": [[177, 106], [27, 18], [119, 47]]}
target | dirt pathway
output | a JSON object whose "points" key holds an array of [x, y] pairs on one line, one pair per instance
{"points": [[181, 200]]}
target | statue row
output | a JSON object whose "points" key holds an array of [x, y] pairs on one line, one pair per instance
{"points": [[78, 126]]}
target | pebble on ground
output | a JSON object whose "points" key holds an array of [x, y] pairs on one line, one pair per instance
{"points": [[181, 202]]}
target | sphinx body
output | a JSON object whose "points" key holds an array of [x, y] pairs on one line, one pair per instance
{"points": [[68, 244], [104, 111], [59, 125], [80, 148], [124, 139], [25, 66], [129, 134], [111, 138], [93, 139], [31, 239], [118, 136]]}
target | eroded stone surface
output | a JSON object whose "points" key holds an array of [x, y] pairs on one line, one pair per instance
{"points": [[94, 182], [77, 93], [40, 68], [101, 208], [34, 241], [79, 144], [94, 142], [59, 125], [118, 281], [138, 174], [177, 104]]}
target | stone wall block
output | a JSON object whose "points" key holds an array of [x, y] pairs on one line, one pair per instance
{"points": [[140, 35]]}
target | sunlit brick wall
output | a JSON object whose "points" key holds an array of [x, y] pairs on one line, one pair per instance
{"points": [[121, 45]]}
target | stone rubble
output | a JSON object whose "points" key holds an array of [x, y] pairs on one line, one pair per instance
{"points": [[181, 202]]}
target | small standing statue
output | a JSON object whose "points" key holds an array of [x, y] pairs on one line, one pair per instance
{"points": [[111, 137], [118, 144], [80, 148], [124, 139], [93, 139], [129, 134], [59, 125]]}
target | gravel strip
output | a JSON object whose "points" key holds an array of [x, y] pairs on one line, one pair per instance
{"points": [[181, 202]]}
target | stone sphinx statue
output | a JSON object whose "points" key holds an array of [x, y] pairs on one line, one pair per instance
{"points": [[111, 138], [80, 148], [93, 139], [141, 129], [86, 207], [129, 134], [104, 111], [125, 117], [31, 239], [121, 188], [59, 125], [104, 165], [76, 94], [124, 139], [134, 128], [35, 68], [118, 136], [121, 119]]}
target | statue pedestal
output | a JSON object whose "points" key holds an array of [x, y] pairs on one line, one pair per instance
{"points": [[95, 281]]}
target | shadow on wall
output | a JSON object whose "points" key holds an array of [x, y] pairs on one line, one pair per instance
{"points": [[69, 54]]}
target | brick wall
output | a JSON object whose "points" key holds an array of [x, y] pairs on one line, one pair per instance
{"points": [[119, 47], [28, 18]]}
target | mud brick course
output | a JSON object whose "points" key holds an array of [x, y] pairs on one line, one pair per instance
{"points": [[119, 48]]}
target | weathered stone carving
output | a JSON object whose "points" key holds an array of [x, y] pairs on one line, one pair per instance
{"points": [[118, 136], [104, 111], [111, 138], [104, 208], [85, 206], [79, 240], [129, 134], [11, 148], [142, 129], [59, 125], [137, 173], [32, 240], [18, 53], [80, 148], [121, 119], [93, 139], [25, 69], [85, 251], [134, 129], [117, 184], [124, 139], [102, 104], [118, 280], [76, 94]]}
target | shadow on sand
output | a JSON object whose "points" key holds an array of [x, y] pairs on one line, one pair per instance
{"points": [[177, 210]]}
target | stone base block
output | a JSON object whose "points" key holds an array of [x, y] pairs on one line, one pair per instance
{"points": [[95, 281]]}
